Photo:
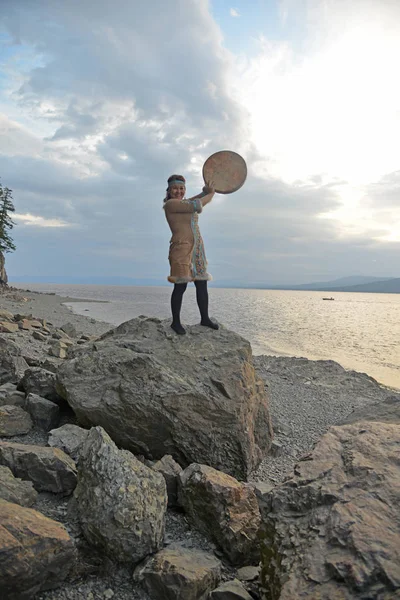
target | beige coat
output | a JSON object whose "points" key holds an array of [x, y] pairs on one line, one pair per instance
{"points": [[187, 258]]}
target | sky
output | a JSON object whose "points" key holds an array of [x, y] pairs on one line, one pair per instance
{"points": [[100, 102]]}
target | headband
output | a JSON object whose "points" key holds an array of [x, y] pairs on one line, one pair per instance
{"points": [[176, 182]]}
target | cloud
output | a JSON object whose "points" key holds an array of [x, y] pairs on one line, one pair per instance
{"points": [[104, 105], [234, 13], [36, 221]]}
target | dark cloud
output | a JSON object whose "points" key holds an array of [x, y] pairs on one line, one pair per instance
{"points": [[130, 93]]}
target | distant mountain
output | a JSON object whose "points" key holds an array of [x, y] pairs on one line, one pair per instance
{"points": [[388, 286], [354, 280]]}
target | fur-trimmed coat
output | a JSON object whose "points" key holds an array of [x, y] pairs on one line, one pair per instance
{"points": [[186, 257]]}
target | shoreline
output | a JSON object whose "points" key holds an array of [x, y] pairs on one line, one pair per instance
{"points": [[54, 308]]}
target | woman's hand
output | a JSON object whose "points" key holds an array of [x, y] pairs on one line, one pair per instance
{"points": [[209, 187]]}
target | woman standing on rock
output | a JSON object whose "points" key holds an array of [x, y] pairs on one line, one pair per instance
{"points": [[186, 252]]}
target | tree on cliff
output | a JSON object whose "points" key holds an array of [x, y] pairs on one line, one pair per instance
{"points": [[6, 224]]}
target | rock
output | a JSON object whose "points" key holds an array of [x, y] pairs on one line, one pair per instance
{"points": [[179, 574], [333, 530], [69, 329], [58, 348], [7, 327], [223, 509], [14, 420], [40, 382], [5, 315], [263, 493], [276, 448], [69, 438], [35, 324], [15, 490], [49, 469], [248, 573], [38, 335], [45, 414], [24, 324], [170, 470], [12, 365], [387, 411], [197, 398], [121, 503], [36, 552], [230, 590], [10, 396], [7, 388]]}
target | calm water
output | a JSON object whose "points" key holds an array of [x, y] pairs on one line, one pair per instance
{"points": [[360, 331]]}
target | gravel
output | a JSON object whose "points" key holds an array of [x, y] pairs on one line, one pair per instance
{"points": [[306, 398]]}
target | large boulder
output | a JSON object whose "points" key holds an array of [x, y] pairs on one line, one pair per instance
{"points": [[332, 531], [36, 553], [49, 469], [15, 490], [386, 411], [179, 574], [40, 382], [223, 509], [196, 397], [69, 438], [14, 420], [121, 503], [44, 413], [12, 364]]}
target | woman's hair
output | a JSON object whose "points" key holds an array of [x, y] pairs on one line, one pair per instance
{"points": [[173, 178]]}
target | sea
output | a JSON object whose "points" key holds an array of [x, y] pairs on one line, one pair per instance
{"points": [[359, 331]]}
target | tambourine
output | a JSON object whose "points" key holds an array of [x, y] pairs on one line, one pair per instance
{"points": [[227, 170]]}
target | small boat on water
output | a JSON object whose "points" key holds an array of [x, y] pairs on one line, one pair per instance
{"points": [[328, 298]]}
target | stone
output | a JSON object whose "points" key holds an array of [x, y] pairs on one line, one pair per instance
{"points": [[248, 573], [49, 469], [6, 315], [177, 573], [223, 509], [121, 503], [24, 324], [58, 349], [197, 398], [69, 329], [35, 324], [14, 420], [40, 382], [230, 590], [387, 411], [10, 396], [7, 327], [170, 470], [15, 490], [45, 414], [12, 365], [36, 552], [263, 494], [38, 335], [69, 438], [276, 448], [333, 530]]}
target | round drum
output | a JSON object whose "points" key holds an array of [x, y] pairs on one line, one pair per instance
{"points": [[227, 170]]}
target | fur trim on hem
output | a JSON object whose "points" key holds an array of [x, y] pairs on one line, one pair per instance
{"points": [[179, 279], [206, 277]]}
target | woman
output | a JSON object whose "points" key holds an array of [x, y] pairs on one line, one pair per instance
{"points": [[186, 252]]}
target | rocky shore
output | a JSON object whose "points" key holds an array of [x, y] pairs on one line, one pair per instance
{"points": [[137, 445]]}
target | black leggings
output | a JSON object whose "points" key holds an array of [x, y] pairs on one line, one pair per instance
{"points": [[201, 297]]}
